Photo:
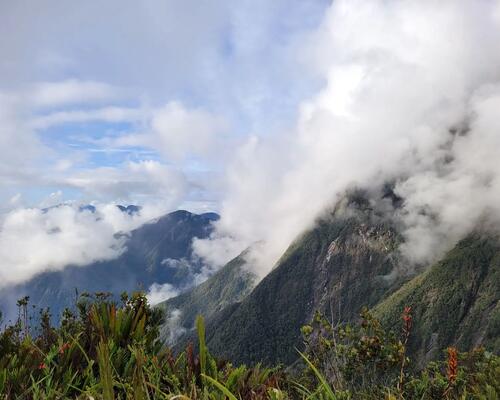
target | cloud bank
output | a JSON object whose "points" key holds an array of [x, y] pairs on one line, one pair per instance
{"points": [[35, 240], [411, 94]]}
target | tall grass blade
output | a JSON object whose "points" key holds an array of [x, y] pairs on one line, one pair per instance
{"points": [[220, 386], [105, 371], [324, 384]]}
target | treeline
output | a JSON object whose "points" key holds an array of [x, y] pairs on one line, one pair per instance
{"points": [[109, 350]]}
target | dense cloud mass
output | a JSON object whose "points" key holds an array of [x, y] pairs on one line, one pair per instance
{"points": [[411, 95], [268, 113]]}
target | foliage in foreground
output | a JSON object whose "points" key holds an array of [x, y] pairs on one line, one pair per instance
{"points": [[367, 362], [109, 351]]}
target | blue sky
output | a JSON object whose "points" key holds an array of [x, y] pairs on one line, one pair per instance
{"points": [[90, 92]]}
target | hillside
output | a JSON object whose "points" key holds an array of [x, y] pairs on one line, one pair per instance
{"points": [[341, 265], [159, 251], [455, 302], [227, 286], [350, 260]]}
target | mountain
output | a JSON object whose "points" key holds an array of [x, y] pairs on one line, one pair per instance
{"points": [[227, 286], [347, 261], [130, 209], [157, 252], [456, 302], [350, 260]]}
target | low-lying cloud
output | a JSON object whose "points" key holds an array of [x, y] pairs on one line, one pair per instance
{"points": [[34, 240], [410, 95], [158, 293]]}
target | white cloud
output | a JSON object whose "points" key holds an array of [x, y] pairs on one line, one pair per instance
{"points": [[179, 132], [35, 240], [213, 70], [18, 142], [137, 181], [218, 250], [461, 193], [15, 200], [398, 76], [173, 326], [158, 293], [110, 114], [71, 91]]}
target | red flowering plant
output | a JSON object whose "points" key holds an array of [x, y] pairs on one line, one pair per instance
{"points": [[63, 348], [407, 323]]}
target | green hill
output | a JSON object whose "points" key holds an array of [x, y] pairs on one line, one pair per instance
{"points": [[455, 302], [227, 286]]}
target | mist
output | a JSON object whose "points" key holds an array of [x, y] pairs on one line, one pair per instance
{"points": [[411, 95]]}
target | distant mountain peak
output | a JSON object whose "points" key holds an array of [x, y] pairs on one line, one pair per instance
{"points": [[211, 216], [130, 209]]}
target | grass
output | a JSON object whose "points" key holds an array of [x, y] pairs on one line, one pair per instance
{"points": [[112, 351]]}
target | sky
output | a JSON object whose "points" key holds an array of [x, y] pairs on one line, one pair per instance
{"points": [[141, 101], [266, 112]]}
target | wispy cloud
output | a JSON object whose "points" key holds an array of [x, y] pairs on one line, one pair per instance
{"points": [[72, 91], [111, 114]]}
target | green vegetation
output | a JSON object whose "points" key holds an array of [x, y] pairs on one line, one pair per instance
{"points": [[365, 361], [456, 301], [337, 267], [345, 263], [109, 351], [227, 286]]}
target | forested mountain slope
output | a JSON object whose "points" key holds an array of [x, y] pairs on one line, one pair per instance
{"points": [[346, 262], [159, 251], [227, 286]]}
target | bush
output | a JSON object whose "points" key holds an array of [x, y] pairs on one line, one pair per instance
{"points": [[104, 350], [364, 361], [110, 351]]}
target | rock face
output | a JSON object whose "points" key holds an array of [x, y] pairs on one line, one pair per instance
{"points": [[454, 303], [338, 267], [159, 251]]}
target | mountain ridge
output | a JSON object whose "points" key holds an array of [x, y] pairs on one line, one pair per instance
{"points": [[265, 325], [349, 260], [157, 252]]}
